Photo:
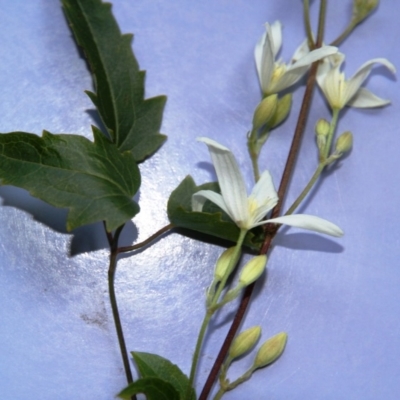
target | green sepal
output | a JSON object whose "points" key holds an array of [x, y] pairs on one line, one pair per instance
{"points": [[132, 122], [211, 221], [92, 179], [154, 366], [153, 388]]}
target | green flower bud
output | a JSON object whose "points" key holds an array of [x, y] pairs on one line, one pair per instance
{"points": [[322, 127], [362, 8], [244, 342], [270, 351], [223, 263], [264, 111], [282, 111], [252, 270], [344, 142]]}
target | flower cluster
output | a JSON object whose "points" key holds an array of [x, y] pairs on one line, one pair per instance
{"points": [[276, 76]]}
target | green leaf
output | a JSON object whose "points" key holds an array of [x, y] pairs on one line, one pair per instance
{"points": [[153, 388], [211, 221], [154, 366], [93, 180], [133, 123]]}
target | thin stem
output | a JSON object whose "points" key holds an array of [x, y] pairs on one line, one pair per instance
{"points": [[211, 309], [219, 394], [353, 23], [306, 190], [307, 23], [197, 349], [254, 164], [114, 306], [322, 164], [153, 237], [331, 133], [292, 156], [296, 141], [321, 22]]}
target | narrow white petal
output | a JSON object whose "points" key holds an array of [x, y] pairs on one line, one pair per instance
{"points": [[301, 51], [276, 36], [258, 53], [366, 99], [367, 66], [362, 73], [289, 78], [337, 59], [333, 88], [309, 222], [200, 197], [313, 56], [212, 143], [267, 62], [327, 64], [233, 188], [261, 212], [264, 189], [323, 68], [297, 70]]}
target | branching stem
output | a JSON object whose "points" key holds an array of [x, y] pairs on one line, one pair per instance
{"points": [[211, 309], [146, 242], [271, 231]]}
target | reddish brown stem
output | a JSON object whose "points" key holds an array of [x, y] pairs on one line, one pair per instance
{"points": [[270, 229]]}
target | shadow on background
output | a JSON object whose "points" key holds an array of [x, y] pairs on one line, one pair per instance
{"points": [[84, 239]]}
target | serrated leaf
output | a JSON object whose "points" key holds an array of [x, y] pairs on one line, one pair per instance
{"points": [[93, 180], [133, 122], [212, 221], [152, 365], [153, 388]]}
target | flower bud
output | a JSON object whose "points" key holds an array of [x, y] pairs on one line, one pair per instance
{"points": [[282, 111], [223, 263], [270, 351], [322, 127], [252, 270], [244, 342], [264, 111], [362, 8], [344, 142]]}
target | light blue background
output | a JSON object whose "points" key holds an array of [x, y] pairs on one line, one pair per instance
{"points": [[338, 299]]}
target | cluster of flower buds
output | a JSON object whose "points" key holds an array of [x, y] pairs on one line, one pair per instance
{"points": [[268, 353], [271, 111]]}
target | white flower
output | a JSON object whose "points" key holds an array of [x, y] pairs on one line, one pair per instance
{"points": [[248, 211], [275, 75], [340, 92]]}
